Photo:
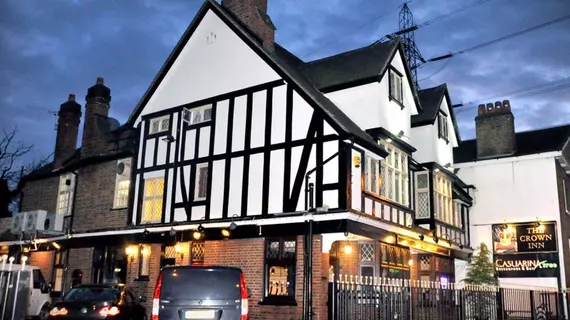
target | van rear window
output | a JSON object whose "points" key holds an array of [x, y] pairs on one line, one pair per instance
{"points": [[200, 283]]}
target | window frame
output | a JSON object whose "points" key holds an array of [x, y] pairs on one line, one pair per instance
{"points": [[395, 86], [282, 261], [400, 172], [154, 197], [419, 191], [161, 128], [566, 199], [142, 273], [374, 263], [443, 193], [165, 260], [443, 128], [197, 184], [58, 264], [120, 199], [189, 115], [368, 181], [68, 192], [196, 259]]}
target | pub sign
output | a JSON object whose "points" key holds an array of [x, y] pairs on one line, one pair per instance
{"points": [[525, 250]]}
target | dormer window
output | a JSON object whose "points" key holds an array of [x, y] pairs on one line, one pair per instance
{"points": [[197, 115], [442, 126], [395, 81]]}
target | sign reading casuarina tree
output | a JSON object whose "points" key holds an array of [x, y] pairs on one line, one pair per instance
{"points": [[525, 250], [527, 265]]}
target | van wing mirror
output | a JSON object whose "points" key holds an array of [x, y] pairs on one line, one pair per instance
{"points": [[142, 299], [248, 292]]}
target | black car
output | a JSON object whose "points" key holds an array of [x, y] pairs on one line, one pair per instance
{"points": [[200, 292], [99, 301]]}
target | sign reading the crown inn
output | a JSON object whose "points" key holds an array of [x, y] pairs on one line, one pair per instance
{"points": [[525, 250]]}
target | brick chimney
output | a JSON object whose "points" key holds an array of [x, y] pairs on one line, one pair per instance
{"points": [[495, 130], [253, 13], [97, 103], [67, 128]]}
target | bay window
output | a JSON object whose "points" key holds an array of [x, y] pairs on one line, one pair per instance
{"points": [[422, 195], [395, 177], [372, 175], [443, 198]]}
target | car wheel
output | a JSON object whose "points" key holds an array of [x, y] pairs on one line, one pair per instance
{"points": [[44, 313]]}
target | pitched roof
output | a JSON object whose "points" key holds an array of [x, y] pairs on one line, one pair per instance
{"points": [[527, 143], [431, 99], [284, 64]]}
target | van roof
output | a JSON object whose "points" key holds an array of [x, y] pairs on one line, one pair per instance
{"points": [[203, 267]]}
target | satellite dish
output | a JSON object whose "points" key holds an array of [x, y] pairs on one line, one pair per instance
{"points": [[107, 125]]}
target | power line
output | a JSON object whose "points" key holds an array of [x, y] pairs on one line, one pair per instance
{"points": [[507, 37], [355, 30], [520, 93]]}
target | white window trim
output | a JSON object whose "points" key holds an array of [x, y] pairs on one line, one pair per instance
{"points": [[396, 80], [119, 180], [188, 115], [424, 191], [163, 124], [65, 191], [565, 191], [443, 198], [368, 185], [389, 168], [153, 198], [196, 185], [443, 128]]}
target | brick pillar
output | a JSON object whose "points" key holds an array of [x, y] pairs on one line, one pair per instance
{"points": [[97, 104]]}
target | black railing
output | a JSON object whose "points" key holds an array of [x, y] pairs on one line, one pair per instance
{"points": [[368, 298]]}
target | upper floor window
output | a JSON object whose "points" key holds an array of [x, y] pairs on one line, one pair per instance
{"points": [[144, 261], [395, 81], [159, 124], [65, 194], [422, 195], [372, 175], [122, 183], [443, 198], [152, 202], [201, 187], [197, 115], [442, 126], [395, 176], [457, 214]]}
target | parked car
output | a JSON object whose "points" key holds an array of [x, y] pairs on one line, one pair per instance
{"points": [[114, 301], [37, 288], [200, 292]]}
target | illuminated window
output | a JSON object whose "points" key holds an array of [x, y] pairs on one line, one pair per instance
{"points": [[65, 194], [443, 198], [197, 253], [395, 176], [280, 265], [152, 202], [144, 261], [122, 183]]}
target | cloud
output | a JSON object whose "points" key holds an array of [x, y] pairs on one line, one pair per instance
{"points": [[52, 48]]}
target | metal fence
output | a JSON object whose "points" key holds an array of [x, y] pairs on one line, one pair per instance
{"points": [[369, 298], [14, 292]]}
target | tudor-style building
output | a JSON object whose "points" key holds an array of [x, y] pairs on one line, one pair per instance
{"points": [[240, 143]]}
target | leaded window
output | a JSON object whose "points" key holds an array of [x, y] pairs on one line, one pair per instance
{"points": [[422, 195], [280, 268]]}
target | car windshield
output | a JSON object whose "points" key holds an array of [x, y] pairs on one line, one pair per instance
{"points": [[92, 293]]}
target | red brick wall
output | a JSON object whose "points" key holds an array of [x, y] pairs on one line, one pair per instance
{"points": [[349, 262], [95, 196], [40, 195], [80, 258], [44, 260], [251, 261]]}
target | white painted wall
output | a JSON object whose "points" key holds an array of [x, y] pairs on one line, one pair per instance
{"points": [[369, 105], [508, 191], [194, 77], [431, 148]]}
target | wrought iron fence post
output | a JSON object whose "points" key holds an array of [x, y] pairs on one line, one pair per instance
{"points": [[500, 313], [532, 306]]}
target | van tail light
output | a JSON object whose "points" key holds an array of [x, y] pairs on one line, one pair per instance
{"points": [[109, 311], [156, 298], [244, 303]]}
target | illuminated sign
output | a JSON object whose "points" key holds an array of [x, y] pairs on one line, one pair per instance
{"points": [[527, 265]]}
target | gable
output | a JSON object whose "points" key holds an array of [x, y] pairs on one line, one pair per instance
{"points": [[345, 127], [206, 67], [399, 63]]}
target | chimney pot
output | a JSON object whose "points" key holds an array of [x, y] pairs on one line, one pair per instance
{"points": [[71, 97], [490, 108], [100, 80], [253, 14], [481, 110], [506, 106]]}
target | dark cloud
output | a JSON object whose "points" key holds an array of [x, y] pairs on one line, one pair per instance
{"points": [[52, 48]]}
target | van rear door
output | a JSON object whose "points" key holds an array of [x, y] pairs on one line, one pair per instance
{"points": [[192, 293]]}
